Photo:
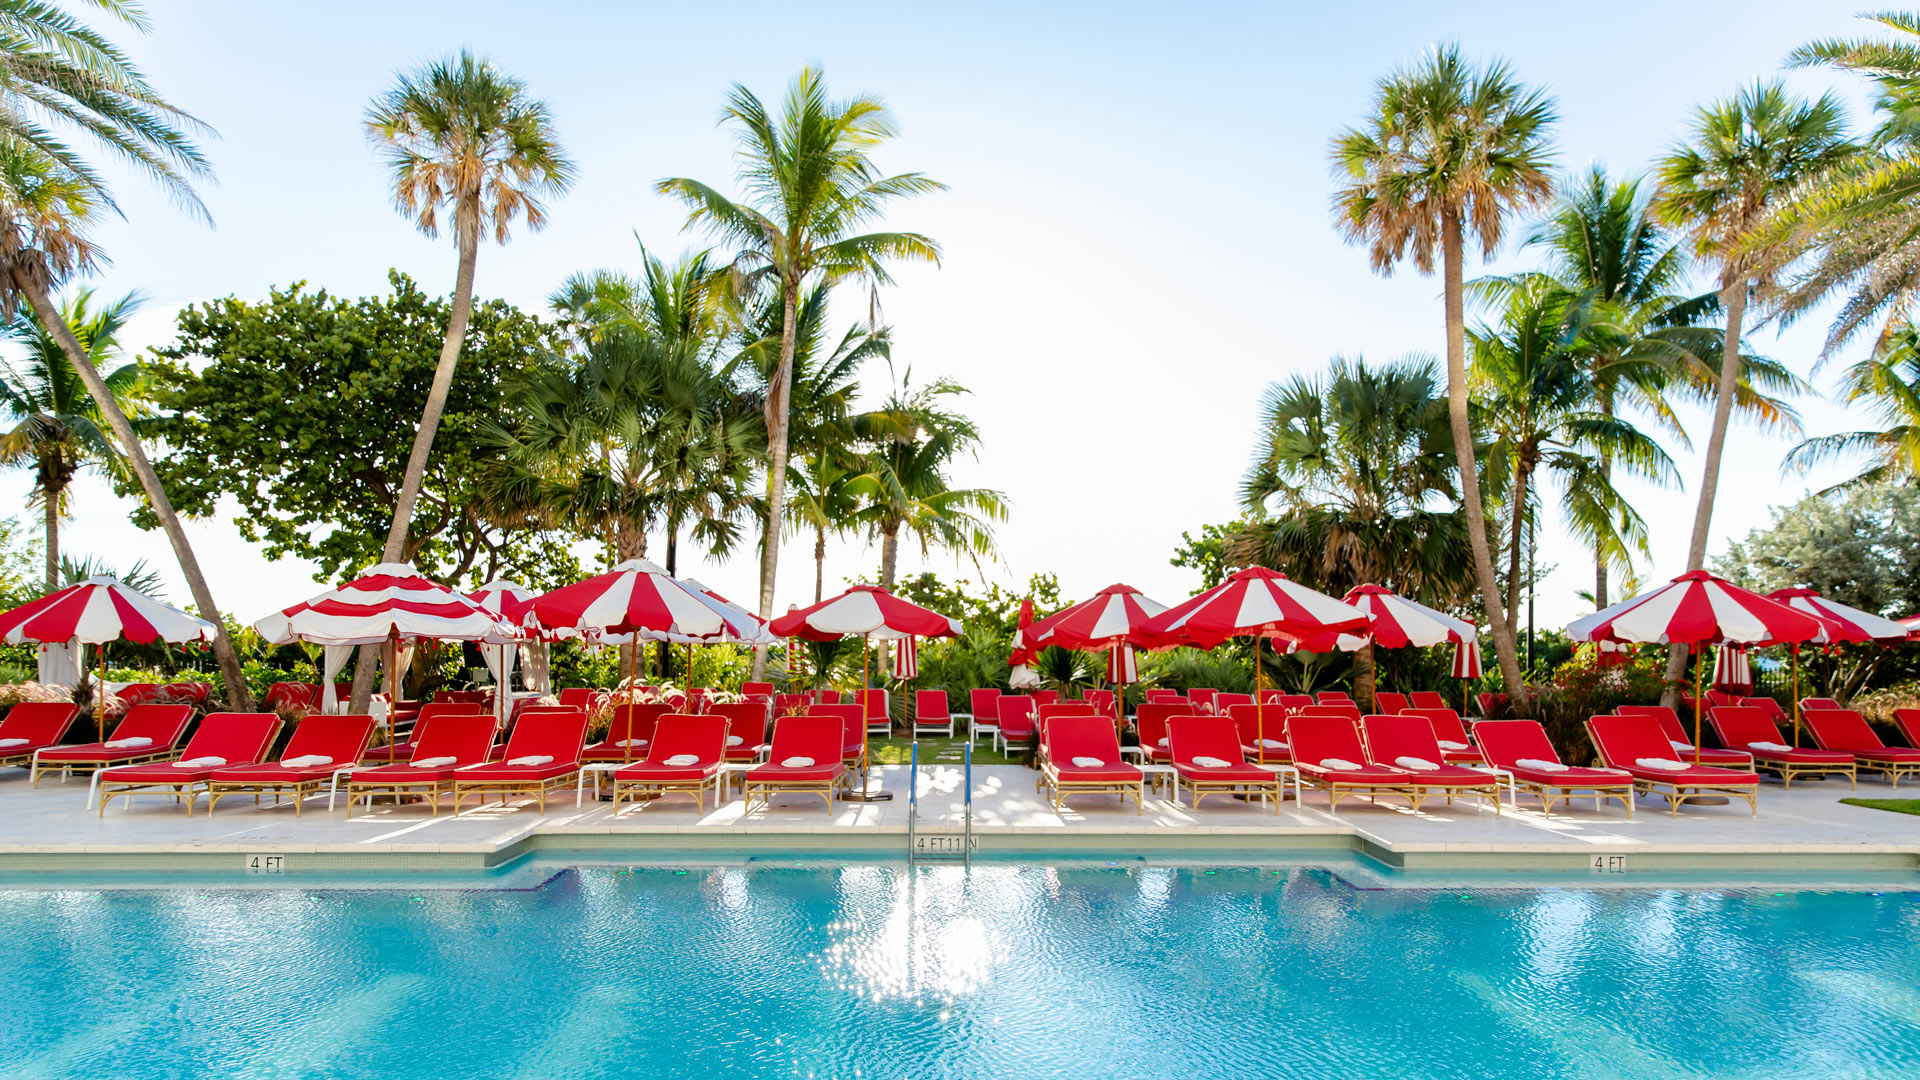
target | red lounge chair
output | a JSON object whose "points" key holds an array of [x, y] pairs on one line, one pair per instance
{"points": [[1399, 741], [1263, 732], [879, 711], [146, 733], [1016, 720], [1345, 710], [462, 697], [1682, 741], [1751, 730], [1270, 694], [1489, 704], [1848, 731], [986, 712], [557, 736], [1207, 757], [465, 738], [1083, 758], [746, 728], [33, 726], [1452, 734], [629, 734], [1045, 697], [1507, 743], [1296, 702], [1202, 696], [790, 704], [403, 750], [1152, 722], [1908, 721], [685, 756], [853, 736], [1165, 695], [1386, 701], [1101, 700], [1223, 702], [1770, 706], [1328, 754], [1426, 699], [579, 697], [1819, 703], [222, 739], [930, 714], [805, 759], [322, 747], [757, 689], [1623, 742], [826, 697], [1332, 697]]}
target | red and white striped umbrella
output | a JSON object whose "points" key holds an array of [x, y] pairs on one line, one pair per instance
{"points": [[1732, 669], [906, 659], [1255, 602], [1838, 622], [1115, 614], [1022, 676], [504, 600], [866, 611], [1697, 608], [385, 601], [1399, 622], [1466, 660], [99, 610], [740, 626], [1912, 623], [1121, 668], [636, 596]]}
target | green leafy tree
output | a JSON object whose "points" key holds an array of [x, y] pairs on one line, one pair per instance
{"points": [[1449, 149], [810, 187], [57, 427], [299, 408]]}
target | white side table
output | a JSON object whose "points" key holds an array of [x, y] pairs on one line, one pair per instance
{"points": [[595, 768]]}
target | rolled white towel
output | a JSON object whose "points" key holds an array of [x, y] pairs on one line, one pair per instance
{"points": [[1088, 763], [734, 740], [797, 763], [681, 761], [1769, 745], [1683, 747], [1540, 764], [1272, 744], [1162, 744], [432, 762], [531, 759], [132, 742], [1340, 764], [1449, 744], [8, 744], [1661, 763], [1417, 764], [631, 742], [208, 762], [1212, 763], [306, 761]]}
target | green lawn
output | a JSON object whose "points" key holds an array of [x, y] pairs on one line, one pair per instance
{"points": [[1898, 806], [937, 750]]}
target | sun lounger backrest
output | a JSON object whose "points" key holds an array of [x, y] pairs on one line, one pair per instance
{"points": [[1347, 710], [1255, 722], [1101, 700], [704, 736], [1314, 737], [1770, 706], [447, 708], [1016, 716], [751, 689], [466, 737], [738, 713], [1841, 729], [1087, 735], [635, 721], [985, 705], [1818, 703], [1153, 718], [1205, 736], [1386, 701], [930, 706], [1668, 720], [1624, 739], [577, 697], [38, 722], [1223, 702], [1507, 741], [1427, 699], [1045, 697], [241, 738], [1908, 721], [1332, 697], [815, 735], [1446, 723], [1395, 735], [340, 736], [1738, 725], [164, 724], [559, 733]]}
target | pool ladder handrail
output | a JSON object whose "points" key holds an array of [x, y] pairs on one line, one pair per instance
{"points": [[914, 854]]}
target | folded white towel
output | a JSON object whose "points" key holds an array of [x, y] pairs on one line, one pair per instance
{"points": [[1212, 763], [1683, 747], [129, 743], [1273, 744], [6, 744], [1661, 763], [1340, 764], [1088, 763], [1163, 744], [797, 763], [734, 740], [1774, 746], [432, 762], [1449, 744], [681, 761], [208, 762], [631, 742], [306, 761], [531, 759], [1540, 765], [1417, 764]]}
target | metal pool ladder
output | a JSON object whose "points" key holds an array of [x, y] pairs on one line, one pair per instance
{"points": [[942, 843]]}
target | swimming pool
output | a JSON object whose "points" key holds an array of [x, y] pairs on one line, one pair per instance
{"points": [[1015, 969]]}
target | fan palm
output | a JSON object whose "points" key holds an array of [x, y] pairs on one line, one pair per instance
{"points": [[58, 429], [1449, 149], [810, 186]]}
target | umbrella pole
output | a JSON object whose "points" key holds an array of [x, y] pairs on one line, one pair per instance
{"points": [[1796, 695], [1699, 702], [633, 659], [864, 718], [393, 683], [100, 699], [1259, 706]]}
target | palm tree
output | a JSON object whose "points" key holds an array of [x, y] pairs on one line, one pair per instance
{"points": [[1450, 149], [822, 500], [810, 186], [61, 72], [1886, 384], [1354, 481], [1746, 153], [58, 430]]}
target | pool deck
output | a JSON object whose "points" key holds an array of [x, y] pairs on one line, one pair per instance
{"points": [[51, 829]]}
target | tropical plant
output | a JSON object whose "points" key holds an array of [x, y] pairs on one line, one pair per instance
{"points": [[1886, 386], [63, 72], [810, 185], [57, 428], [1449, 149]]}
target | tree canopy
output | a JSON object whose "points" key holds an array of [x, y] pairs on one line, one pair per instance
{"points": [[1860, 546]]}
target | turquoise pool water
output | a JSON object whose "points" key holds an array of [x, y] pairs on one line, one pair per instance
{"points": [[998, 970]]}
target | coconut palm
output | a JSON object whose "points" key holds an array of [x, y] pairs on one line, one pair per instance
{"points": [[1886, 386], [1450, 149], [58, 429], [685, 300], [60, 73], [810, 186], [1745, 154]]}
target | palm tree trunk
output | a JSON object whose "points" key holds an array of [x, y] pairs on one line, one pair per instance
{"points": [[1733, 296], [819, 562], [53, 539], [1601, 571], [1521, 485], [415, 476], [1365, 681], [673, 561], [1452, 255], [889, 571], [239, 698], [777, 423]]}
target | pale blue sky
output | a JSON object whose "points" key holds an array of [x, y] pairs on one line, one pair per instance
{"points": [[1137, 235]]}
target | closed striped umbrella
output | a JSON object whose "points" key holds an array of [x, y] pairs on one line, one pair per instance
{"points": [[906, 659], [1121, 668], [1466, 660], [1732, 670]]}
